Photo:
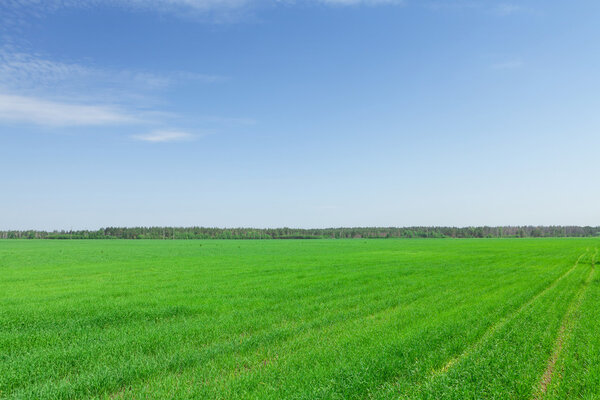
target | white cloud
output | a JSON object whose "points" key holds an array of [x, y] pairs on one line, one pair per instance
{"points": [[53, 5], [15, 14], [18, 12], [202, 5], [361, 2], [20, 70], [32, 110], [44, 92], [501, 9], [162, 136], [18, 9]]}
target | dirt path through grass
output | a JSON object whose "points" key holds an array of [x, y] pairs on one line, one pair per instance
{"points": [[566, 327], [502, 322]]}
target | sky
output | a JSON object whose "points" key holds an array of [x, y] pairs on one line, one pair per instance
{"points": [[313, 113]]}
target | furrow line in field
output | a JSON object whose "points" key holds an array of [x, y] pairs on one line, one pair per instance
{"points": [[503, 321], [309, 329], [283, 332], [564, 332]]}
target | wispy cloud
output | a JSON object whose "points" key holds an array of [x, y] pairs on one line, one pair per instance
{"points": [[17, 11], [162, 136], [511, 64], [35, 90], [40, 91], [161, 5], [20, 70], [361, 2], [32, 110], [165, 5], [501, 9]]}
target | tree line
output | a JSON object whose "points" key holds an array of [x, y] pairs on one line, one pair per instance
{"points": [[294, 233]]}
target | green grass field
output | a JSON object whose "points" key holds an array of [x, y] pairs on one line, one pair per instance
{"points": [[305, 319]]}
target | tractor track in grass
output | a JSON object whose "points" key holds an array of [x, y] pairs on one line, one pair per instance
{"points": [[502, 322], [245, 342], [564, 332]]}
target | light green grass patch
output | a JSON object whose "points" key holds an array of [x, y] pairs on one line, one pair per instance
{"points": [[303, 319]]}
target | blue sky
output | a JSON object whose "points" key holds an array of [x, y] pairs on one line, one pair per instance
{"points": [[310, 113]]}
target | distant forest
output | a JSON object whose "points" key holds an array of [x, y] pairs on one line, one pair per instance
{"points": [[293, 233]]}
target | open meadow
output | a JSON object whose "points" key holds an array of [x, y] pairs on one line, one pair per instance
{"points": [[300, 319]]}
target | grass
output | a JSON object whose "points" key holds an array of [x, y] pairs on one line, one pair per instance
{"points": [[307, 319]]}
